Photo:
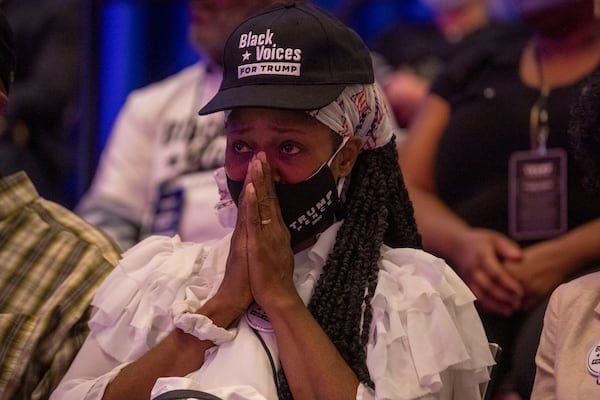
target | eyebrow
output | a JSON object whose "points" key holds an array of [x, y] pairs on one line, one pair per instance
{"points": [[239, 129]]}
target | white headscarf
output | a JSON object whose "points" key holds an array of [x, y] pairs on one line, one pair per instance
{"points": [[361, 110]]}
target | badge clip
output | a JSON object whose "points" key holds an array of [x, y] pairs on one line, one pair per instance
{"points": [[257, 318], [593, 362]]}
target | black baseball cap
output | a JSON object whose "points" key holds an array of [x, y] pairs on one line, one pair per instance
{"points": [[291, 56]]}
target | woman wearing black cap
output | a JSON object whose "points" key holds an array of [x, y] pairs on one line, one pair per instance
{"points": [[321, 292]]}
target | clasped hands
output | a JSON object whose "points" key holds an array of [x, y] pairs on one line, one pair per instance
{"points": [[260, 262], [504, 277]]}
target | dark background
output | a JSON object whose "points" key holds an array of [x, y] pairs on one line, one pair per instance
{"points": [[130, 43]]}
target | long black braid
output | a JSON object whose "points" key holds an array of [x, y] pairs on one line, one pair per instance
{"points": [[584, 131], [378, 211]]}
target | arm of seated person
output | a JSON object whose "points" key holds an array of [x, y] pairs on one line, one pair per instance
{"points": [[313, 366], [90, 373], [184, 352], [476, 254]]}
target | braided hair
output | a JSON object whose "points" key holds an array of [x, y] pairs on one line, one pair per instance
{"points": [[584, 131], [377, 211]]}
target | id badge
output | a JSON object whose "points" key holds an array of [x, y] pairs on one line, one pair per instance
{"points": [[537, 194], [167, 213]]}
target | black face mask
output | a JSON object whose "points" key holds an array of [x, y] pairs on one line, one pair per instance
{"points": [[307, 207]]}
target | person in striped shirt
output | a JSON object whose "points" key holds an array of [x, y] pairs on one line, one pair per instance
{"points": [[51, 262]]}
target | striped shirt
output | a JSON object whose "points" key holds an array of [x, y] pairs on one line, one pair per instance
{"points": [[51, 262]]}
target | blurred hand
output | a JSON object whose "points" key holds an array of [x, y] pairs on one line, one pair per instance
{"points": [[540, 270], [405, 91]]}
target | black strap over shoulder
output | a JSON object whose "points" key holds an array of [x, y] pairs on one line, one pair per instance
{"points": [[186, 394]]}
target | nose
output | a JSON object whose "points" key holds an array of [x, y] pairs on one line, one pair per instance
{"points": [[275, 173]]}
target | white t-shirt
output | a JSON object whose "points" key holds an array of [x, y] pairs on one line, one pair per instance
{"points": [[159, 144], [426, 339]]}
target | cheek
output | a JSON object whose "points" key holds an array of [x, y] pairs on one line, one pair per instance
{"points": [[281, 172], [289, 176], [236, 166], [286, 173], [236, 173]]}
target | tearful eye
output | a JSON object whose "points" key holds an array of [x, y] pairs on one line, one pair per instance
{"points": [[240, 147], [289, 148]]}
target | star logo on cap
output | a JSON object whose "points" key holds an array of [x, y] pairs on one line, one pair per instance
{"points": [[246, 56]]}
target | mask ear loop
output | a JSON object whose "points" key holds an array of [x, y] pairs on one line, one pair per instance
{"points": [[342, 179], [340, 186]]}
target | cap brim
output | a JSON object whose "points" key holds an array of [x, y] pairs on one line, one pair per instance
{"points": [[289, 97]]}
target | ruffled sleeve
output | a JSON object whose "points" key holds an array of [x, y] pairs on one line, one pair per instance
{"points": [[132, 307], [426, 339]]}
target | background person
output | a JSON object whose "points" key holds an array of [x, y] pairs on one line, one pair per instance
{"points": [[494, 105], [51, 262], [567, 355], [39, 130], [295, 302], [409, 55], [156, 173]]}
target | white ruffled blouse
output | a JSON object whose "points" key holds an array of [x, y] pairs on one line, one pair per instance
{"points": [[426, 339]]}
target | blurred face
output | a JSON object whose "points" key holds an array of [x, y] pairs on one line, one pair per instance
{"points": [[212, 21], [462, 19], [295, 144], [556, 18]]}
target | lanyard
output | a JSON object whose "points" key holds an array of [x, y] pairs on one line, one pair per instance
{"points": [[269, 355], [538, 117]]}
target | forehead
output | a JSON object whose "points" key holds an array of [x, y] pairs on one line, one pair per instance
{"points": [[264, 124], [284, 119]]}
